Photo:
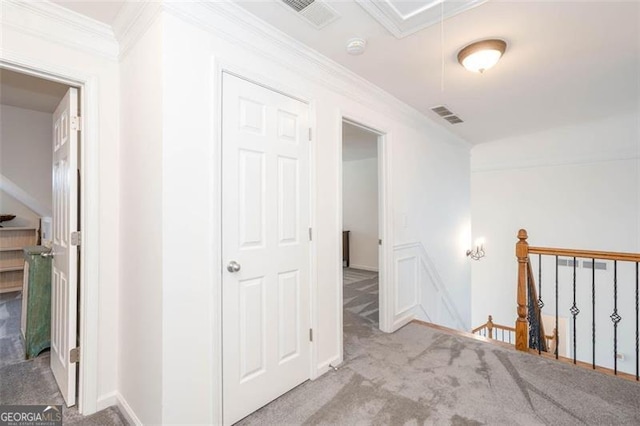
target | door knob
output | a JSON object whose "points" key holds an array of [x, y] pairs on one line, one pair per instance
{"points": [[47, 254], [233, 266]]}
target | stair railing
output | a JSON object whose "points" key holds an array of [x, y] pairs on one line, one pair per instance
{"points": [[506, 334], [528, 325]]}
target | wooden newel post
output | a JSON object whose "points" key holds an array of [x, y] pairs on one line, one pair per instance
{"points": [[490, 326], [522, 253]]}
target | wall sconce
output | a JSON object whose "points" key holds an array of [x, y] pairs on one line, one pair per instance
{"points": [[478, 252]]}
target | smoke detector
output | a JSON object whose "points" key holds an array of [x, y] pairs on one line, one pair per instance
{"points": [[356, 46]]}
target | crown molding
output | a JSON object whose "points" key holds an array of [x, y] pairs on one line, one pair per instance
{"points": [[51, 21], [133, 20], [557, 160], [232, 23]]}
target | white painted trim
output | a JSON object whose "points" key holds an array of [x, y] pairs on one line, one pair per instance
{"points": [[216, 161], [229, 21], [132, 21], [10, 187], [51, 21], [331, 362], [316, 371], [385, 222], [402, 321], [89, 214], [435, 277], [402, 310], [364, 267], [106, 401], [555, 160], [127, 411]]}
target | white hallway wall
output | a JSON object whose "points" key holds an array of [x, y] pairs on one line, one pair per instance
{"points": [[25, 158], [360, 210], [24, 215], [189, 170], [573, 187], [141, 217], [60, 47]]}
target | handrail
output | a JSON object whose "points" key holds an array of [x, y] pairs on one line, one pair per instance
{"points": [[490, 325], [525, 278], [586, 254]]}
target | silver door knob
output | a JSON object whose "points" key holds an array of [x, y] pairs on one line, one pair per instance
{"points": [[48, 254], [233, 266]]}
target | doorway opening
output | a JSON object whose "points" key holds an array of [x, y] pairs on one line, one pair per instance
{"points": [[362, 230], [39, 254]]}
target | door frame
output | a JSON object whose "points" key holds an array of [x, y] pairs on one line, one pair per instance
{"points": [[385, 290], [219, 68], [89, 278]]}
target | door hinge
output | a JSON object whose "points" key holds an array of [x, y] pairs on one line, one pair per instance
{"points": [[76, 238], [309, 133], [76, 122], [379, 242], [311, 335], [74, 355], [310, 234]]}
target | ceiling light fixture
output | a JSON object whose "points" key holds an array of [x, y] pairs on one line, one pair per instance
{"points": [[482, 55]]}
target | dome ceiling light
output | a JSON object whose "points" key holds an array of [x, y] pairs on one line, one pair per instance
{"points": [[482, 55]]}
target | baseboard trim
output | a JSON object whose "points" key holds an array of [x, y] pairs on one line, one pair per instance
{"points": [[363, 267], [126, 410], [326, 366], [402, 321], [107, 400]]}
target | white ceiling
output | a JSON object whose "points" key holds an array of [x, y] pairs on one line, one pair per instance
{"points": [[358, 143], [24, 91], [566, 62]]}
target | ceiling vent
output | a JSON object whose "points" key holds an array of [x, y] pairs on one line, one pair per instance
{"points": [[315, 12], [446, 113]]}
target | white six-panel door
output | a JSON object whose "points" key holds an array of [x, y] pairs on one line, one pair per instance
{"points": [[64, 271], [265, 203]]}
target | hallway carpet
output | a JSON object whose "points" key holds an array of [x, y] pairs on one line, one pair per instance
{"points": [[360, 293], [30, 382], [419, 375]]}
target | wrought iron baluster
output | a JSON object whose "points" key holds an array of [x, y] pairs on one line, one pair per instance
{"points": [[574, 310], [533, 318], [593, 313], [556, 303], [615, 317], [540, 302]]}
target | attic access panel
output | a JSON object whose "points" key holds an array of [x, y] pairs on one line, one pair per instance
{"points": [[402, 18]]}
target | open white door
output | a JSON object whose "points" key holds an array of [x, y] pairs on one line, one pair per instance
{"points": [[65, 256], [265, 246]]}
